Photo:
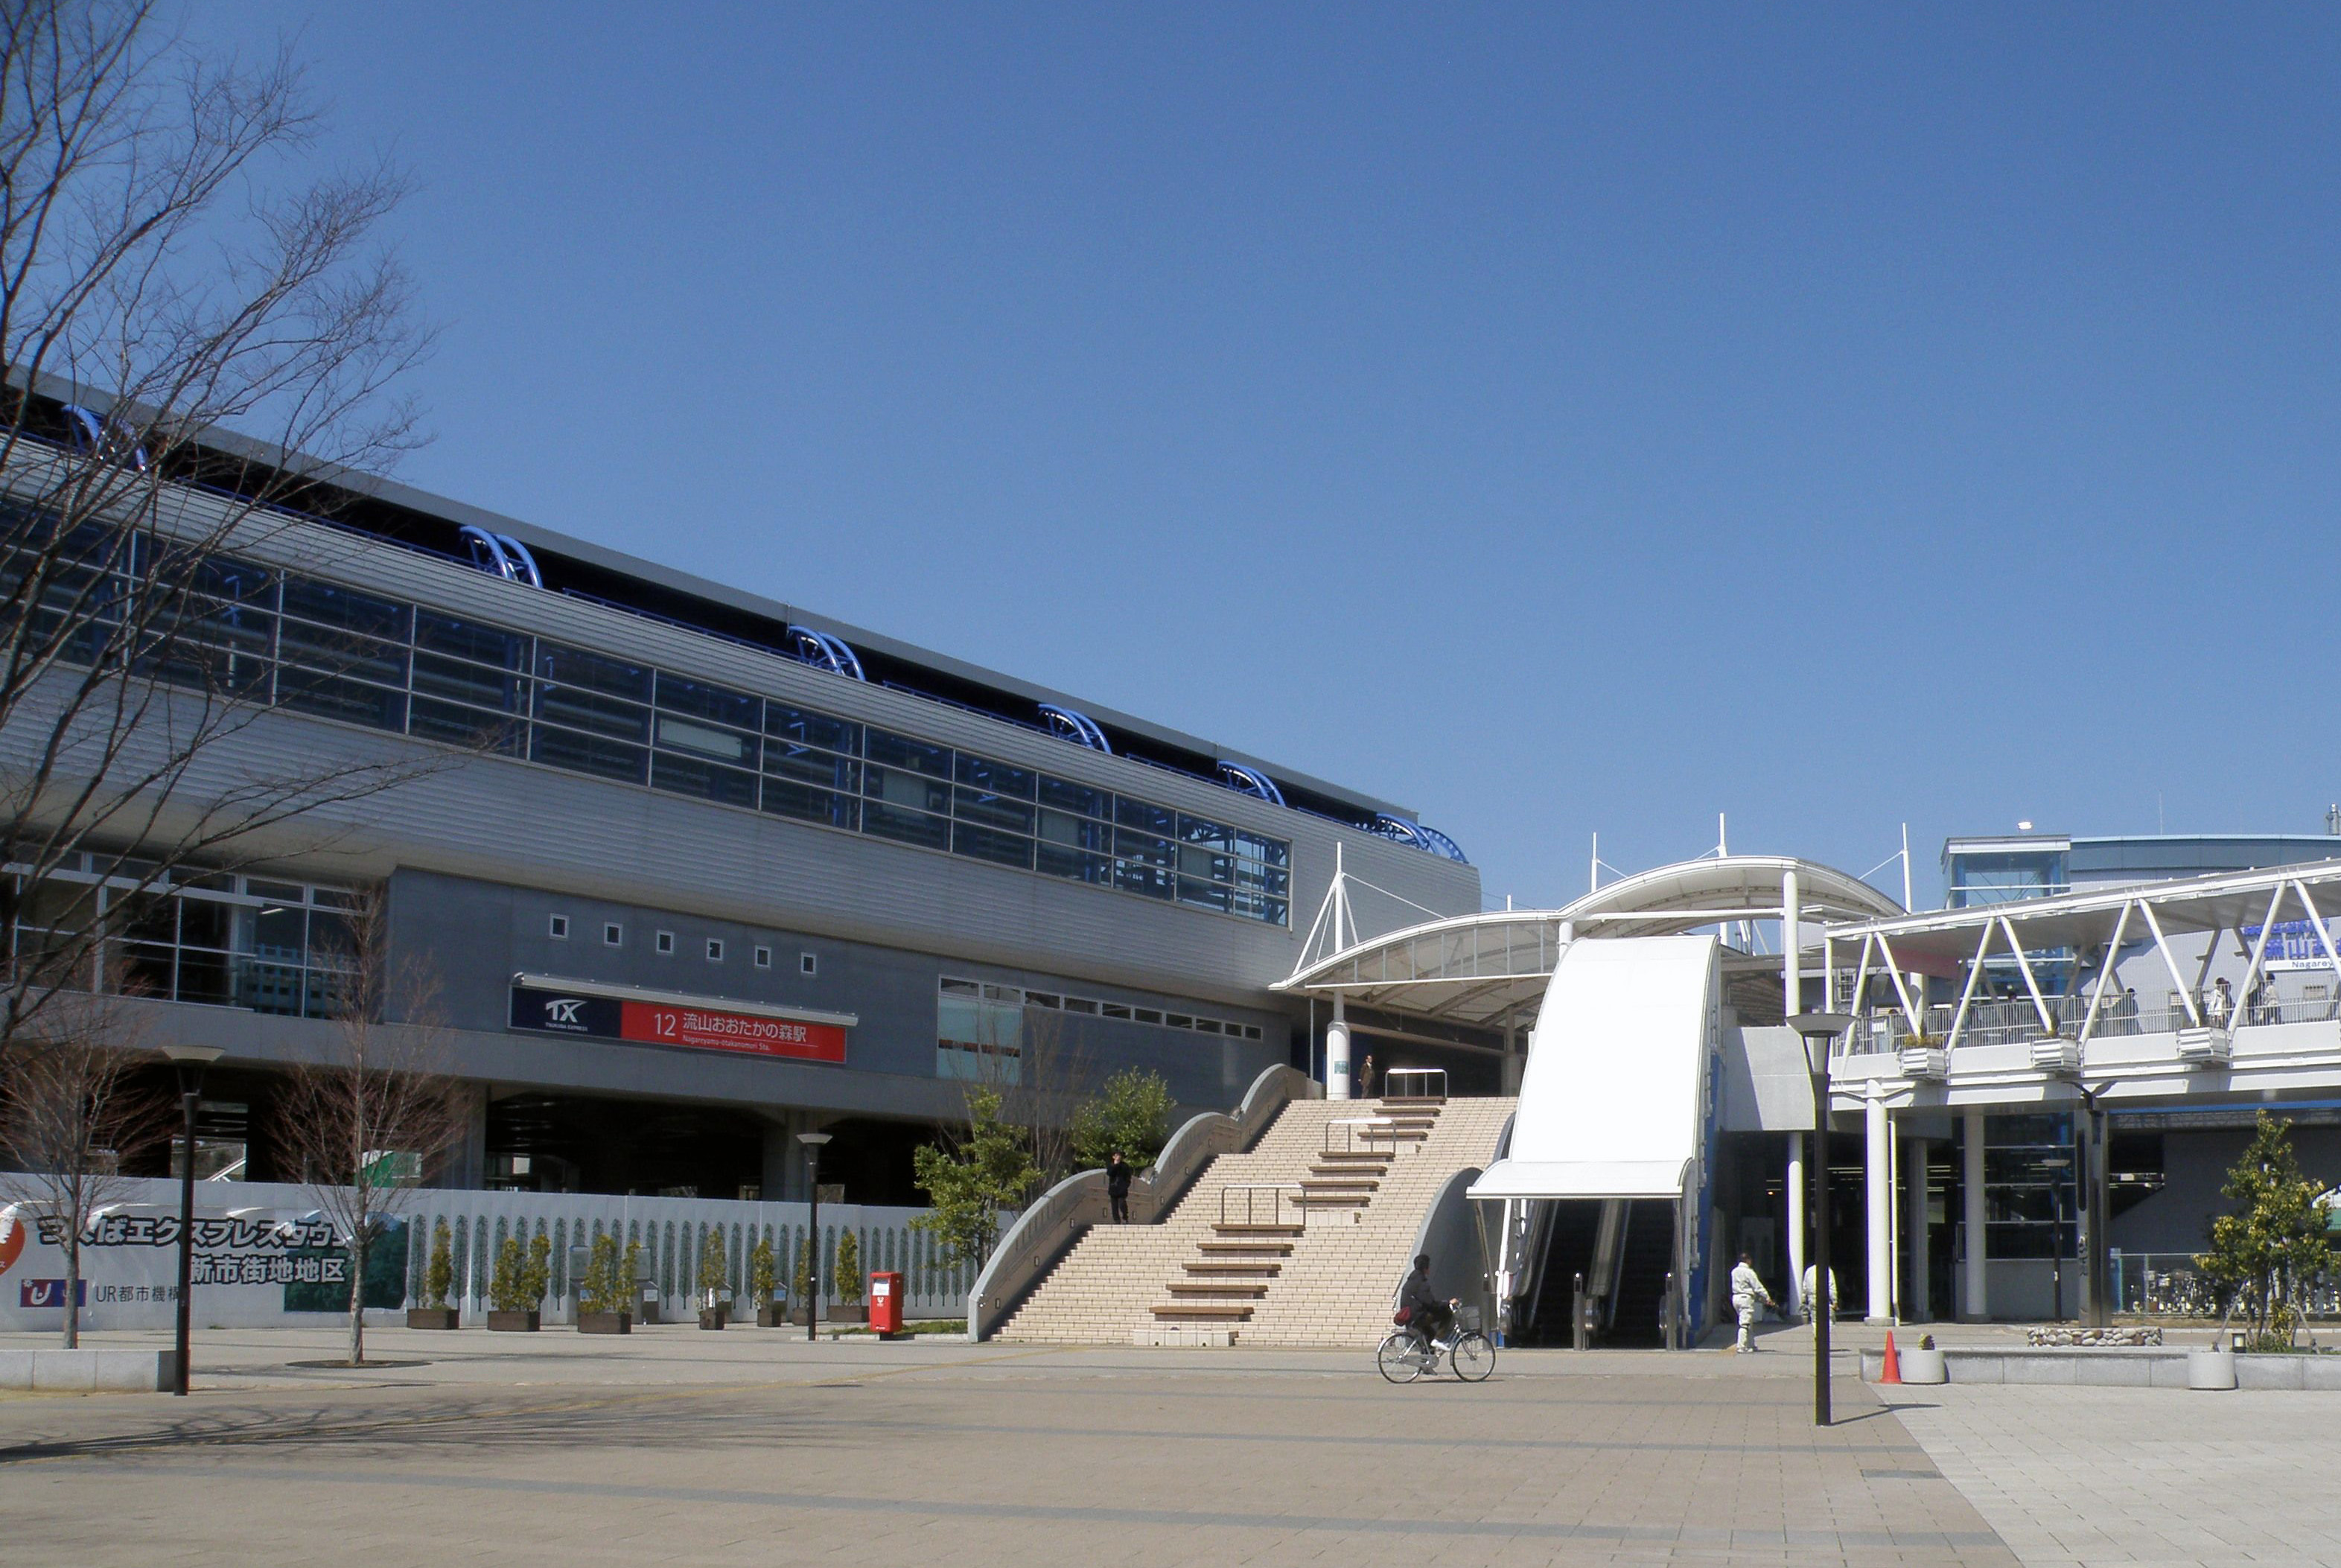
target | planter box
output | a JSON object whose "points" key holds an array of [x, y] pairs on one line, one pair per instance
{"points": [[2211, 1369], [848, 1312], [604, 1323], [429, 1318], [511, 1321], [713, 1316], [772, 1315], [1920, 1364]]}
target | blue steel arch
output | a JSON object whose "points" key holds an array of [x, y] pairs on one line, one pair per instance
{"points": [[1071, 724], [524, 564], [1431, 841], [823, 651], [87, 433], [1247, 780], [487, 551]]}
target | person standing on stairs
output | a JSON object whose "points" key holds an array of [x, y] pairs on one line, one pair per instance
{"points": [[1117, 1187], [1748, 1293], [1366, 1078]]}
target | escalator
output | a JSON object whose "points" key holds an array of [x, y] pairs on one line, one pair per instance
{"points": [[1648, 1254], [1570, 1239]]}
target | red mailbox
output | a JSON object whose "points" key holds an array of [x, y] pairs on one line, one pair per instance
{"points": [[885, 1304]]}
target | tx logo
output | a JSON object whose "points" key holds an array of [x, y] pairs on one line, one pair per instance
{"points": [[564, 1012]]}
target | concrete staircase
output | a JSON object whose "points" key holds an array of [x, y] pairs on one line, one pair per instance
{"points": [[1298, 1241]]}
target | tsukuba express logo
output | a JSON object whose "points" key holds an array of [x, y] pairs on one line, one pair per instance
{"points": [[13, 1233]]}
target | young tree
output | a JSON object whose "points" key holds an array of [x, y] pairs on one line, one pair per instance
{"points": [[1132, 1114], [848, 1265], [763, 1272], [2263, 1256], [715, 1268], [73, 1114], [981, 1170], [192, 338], [1041, 1099], [361, 1126]]}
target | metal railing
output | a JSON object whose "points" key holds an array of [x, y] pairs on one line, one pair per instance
{"points": [[1362, 1134], [2172, 1285], [1419, 1082], [1262, 1204], [2013, 1021]]}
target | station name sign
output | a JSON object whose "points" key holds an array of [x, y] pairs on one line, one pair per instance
{"points": [[540, 1008]]}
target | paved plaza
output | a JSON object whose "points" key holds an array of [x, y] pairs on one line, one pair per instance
{"points": [[674, 1445]]}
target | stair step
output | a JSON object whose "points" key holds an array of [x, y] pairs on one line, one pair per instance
{"points": [[1412, 1102], [1193, 1290], [1258, 1229], [1234, 1267], [1334, 1199], [1253, 1249], [1352, 1156], [1339, 1184], [1203, 1311]]}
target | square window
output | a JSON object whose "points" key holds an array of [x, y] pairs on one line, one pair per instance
{"points": [[666, 942], [807, 964], [764, 957], [714, 950], [558, 927], [614, 935]]}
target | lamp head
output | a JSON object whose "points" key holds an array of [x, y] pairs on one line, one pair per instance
{"points": [[1819, 1029], [190, 1061], [814, 1140]]}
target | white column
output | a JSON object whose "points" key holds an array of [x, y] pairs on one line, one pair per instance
{"points": [[1792, 974], [1516, 1061], [1918, 1304], [1337, 1054], [1976, 1301], [1795, 1215], [1878, 1154]]}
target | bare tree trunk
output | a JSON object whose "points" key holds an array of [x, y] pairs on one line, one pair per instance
{"points": [[73, 1287], [357, 1298]]}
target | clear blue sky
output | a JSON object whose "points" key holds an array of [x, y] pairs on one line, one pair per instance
{"points": [[1559, 420]]}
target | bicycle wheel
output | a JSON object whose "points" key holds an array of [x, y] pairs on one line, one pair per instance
{"points": [[1473, 1357], [1398, 1359]]}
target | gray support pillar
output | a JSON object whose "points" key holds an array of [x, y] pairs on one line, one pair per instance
{"points": [[1795, 1193], [1976, 1302], [1516, 1059], [1878, 1167], [1337, 1054], [1792, 973]]}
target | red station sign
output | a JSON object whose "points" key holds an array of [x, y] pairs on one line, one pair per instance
{"points": [[708, 1030]]}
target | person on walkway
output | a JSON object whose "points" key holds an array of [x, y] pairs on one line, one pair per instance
{"points": [[1366, 1078], [1810, 1299], [1428, 1315], [2223, 1002], [1117, 1187], [1748, 1293]]}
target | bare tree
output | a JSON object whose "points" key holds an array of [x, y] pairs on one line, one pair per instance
{"points": [[361, 1127], [195, 343], [1055, 1074], [74, 1115]]}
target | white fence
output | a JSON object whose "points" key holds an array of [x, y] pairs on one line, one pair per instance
{"points": [[263, 1257]]}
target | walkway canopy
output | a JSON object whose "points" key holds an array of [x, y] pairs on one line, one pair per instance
{"points": [[1492, 969]]}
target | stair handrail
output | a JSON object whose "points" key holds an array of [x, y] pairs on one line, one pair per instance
{"points": [[1048, 1228]]}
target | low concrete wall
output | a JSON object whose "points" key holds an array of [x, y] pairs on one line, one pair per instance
{"points": [[2146, 1366], [89, 1371]]}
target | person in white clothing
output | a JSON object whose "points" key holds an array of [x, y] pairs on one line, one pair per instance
{"points": [[1748, 1293], [1810, 1298]]}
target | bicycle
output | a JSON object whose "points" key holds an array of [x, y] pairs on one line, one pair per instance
{"points": [[1403, 1357]]}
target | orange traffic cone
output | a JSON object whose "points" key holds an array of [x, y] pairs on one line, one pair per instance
{"points": [[1891, 1371]]}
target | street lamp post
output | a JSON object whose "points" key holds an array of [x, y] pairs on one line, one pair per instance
{"points": [[812, 1142], [1819, 1030], [190, 1061]]}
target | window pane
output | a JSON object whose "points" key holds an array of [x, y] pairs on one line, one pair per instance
{"points": [[898, 752], [706, 740], [459, 726], [1080, 799], [1195, 830], [269, 987], [587, 691], [1075, 832], [341, 653], [586, 753], [476, 684], [1136, 877], [1204, 895], [1079, 864], [1203, 863], [992, 810], [206, 978], [206, 924], [280, 932], [724, 707], [809, 729], [1272, 851], [468, 639], [783, 797], [822, 769], [988, 844], [906, 789], [995, 777], [890, 821], [1138, 847], [1147, 819], [688, 776], [350, 701], [341, 608], [593, 673]]}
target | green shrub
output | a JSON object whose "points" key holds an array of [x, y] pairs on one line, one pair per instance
{"points": [[538, 1279], [763, 1271], [439, 1276], [508, 1286], [849, 1266], [715, 1268], [601, 1289], [803, 1284]]}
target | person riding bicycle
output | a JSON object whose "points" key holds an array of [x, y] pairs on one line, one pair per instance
{"points": [[1429, 1314]]}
